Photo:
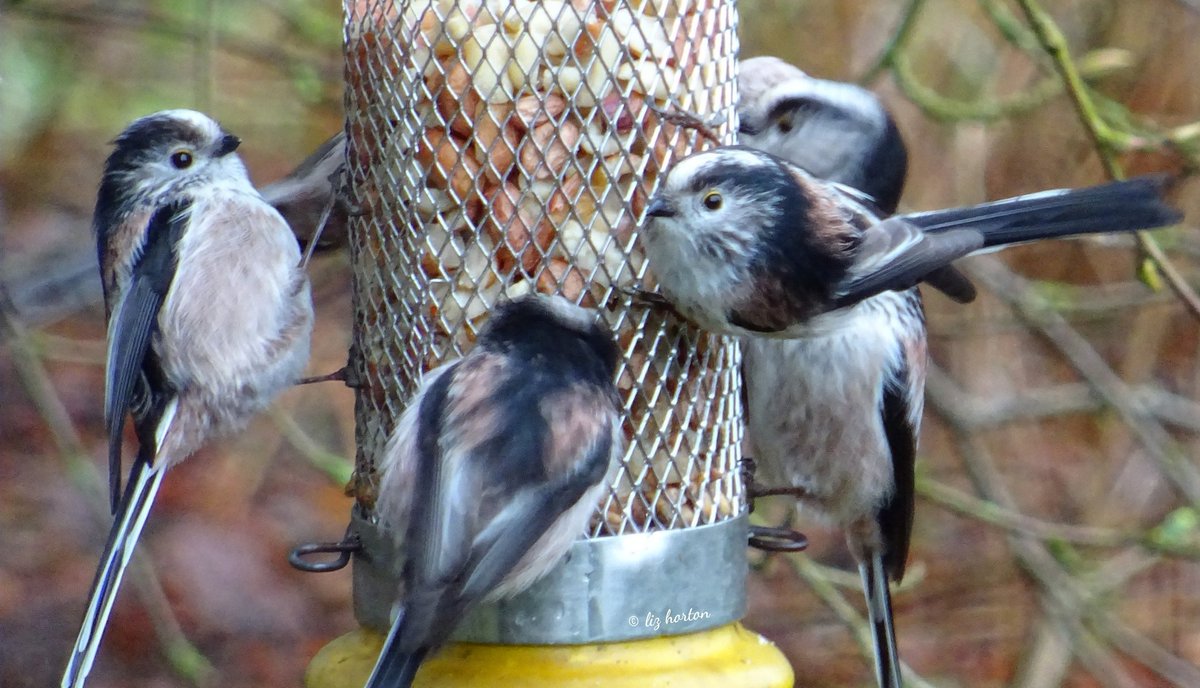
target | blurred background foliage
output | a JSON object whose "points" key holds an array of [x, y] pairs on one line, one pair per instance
{"points": [[1056, 540]]}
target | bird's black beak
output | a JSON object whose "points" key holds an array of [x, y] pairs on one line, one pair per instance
{"points": [[229, 144], [747, 129], [659, 207]]}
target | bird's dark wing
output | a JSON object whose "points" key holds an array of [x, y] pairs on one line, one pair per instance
{"points": [[903, 396], [952, 283], [804, 256], [770, 306], [487, 498], [896, 255], [314, 191], [132, 324], [580, 421]]}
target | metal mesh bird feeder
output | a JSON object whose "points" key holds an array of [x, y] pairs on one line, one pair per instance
{"points": [[498, 147]]}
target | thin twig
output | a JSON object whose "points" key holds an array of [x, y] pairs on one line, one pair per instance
{"points": [[1070, 600], [946, 109], [983, 413], [184, 657], [1063, 607], [52, 347], [813, 575], [1016, 522], [1103, 137], [1011, 28], [1159, 444], [1176, 671], [899, 37], [337, 467], [1048, 658]]}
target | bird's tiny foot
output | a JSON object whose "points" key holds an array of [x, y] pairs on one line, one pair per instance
{"points": [[748, 466], [690, 120], [647, 299], [791, 490], [343, 374], [345, 203]]}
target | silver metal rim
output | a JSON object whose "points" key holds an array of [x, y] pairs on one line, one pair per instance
{"points": [[631, 587]]}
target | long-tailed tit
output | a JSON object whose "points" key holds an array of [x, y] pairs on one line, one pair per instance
{"points": [[833, 130], [209, 317], [745, 243], [495, 468], [809, 402], [312, 198]]}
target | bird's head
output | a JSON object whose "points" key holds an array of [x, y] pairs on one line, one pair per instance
{"points": [[161, 154], [713, 208], [833, 130]]}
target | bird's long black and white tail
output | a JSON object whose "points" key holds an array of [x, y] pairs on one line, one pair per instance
{"points": [[1115, 207], [879, 615], [394, 668], [127, 527]]}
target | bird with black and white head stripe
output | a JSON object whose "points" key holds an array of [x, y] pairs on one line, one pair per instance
{"points": [[209, 317], [745, 243]]}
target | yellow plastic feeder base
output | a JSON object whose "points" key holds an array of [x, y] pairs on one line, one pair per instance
{"points": [[719, 657]]}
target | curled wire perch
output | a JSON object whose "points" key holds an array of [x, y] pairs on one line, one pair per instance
{"points": [[777, 539], [768, 538], [349, 544]]}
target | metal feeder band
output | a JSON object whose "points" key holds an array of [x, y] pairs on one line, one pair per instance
{"points": [[605, 590], [499, 147]]}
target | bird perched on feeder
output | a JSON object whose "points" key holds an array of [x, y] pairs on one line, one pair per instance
{"points": [[311, 197], [797, 390], [495, 468], [833, 130], [209, 317], [745, 243]]}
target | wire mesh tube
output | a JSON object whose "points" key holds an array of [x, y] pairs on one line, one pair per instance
{"points": [[499, 147]]}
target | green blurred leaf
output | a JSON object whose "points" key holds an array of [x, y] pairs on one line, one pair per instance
{"points": [[1179, 530]]}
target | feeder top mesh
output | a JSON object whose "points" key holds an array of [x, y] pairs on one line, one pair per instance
{"points": [[501, 147]]}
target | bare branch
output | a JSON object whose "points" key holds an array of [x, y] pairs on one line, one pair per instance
{"points": [[1154, 438], [184, 657], [1103, 136]]}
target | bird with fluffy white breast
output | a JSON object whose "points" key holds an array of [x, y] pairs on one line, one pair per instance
{"points": [[495, 468], [209, 317], [745, 243], [811, 398]]}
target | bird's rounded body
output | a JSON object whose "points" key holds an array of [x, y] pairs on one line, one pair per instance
{"points": [[814, 404], [209, 318], [235, 327], [495, 468]]}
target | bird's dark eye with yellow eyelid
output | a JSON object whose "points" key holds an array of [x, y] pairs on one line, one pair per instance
{"points": [[784, 124], [713, 200], [182, 159]]}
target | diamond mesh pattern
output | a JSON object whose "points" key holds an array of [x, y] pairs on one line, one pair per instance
{"points": [[499, 147]]}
